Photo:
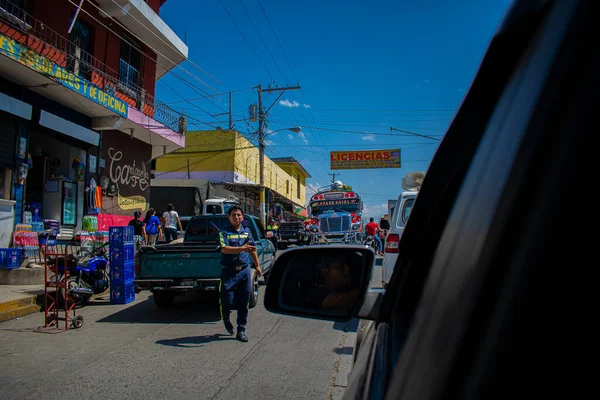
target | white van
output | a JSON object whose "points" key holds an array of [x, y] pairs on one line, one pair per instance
{"points": [[411, 182], [397, 222]]}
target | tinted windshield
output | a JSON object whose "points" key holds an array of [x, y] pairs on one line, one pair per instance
{"points": [[214, 209]]}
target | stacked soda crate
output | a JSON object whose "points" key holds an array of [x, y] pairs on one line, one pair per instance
{"points": [[122, 270]]}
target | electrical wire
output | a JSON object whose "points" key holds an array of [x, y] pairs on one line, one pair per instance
{"points": [[133, 45], [168, 44], [247, 41]]}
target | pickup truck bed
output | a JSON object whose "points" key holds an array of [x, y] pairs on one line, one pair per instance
{"points": [[194, 265]]}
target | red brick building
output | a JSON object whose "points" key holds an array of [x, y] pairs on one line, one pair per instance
{"points": [[78, 107]]}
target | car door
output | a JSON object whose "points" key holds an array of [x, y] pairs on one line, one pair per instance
{"points": [[438, 330], [267, 248]]}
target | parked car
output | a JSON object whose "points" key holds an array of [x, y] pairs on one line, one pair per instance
{"points": [[292, 233], [475, 308], [169, 270]]}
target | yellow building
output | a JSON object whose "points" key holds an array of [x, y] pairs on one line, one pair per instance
{"points": [[228, 158]]}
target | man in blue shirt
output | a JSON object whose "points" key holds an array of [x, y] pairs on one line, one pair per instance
{"points": [[238, 254]]}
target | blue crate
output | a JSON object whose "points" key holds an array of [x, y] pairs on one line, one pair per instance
{"points": [[121, 254], [120, 234], [122, 293], [122, 273], [11, 258]]}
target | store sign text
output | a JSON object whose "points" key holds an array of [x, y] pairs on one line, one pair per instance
{"points": [[132, 202], [366, 159], [37, 62], [127, 174]]}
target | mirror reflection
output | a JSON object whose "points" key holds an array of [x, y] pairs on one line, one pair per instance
{"points": [[329, 282]]}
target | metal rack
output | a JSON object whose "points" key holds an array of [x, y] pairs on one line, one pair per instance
{"points": [[56, 279]]}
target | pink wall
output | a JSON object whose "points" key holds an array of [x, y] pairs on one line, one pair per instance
{"points": [[107, 220], [142, 119]]}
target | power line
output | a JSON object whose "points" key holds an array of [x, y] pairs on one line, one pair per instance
{"points": [[263, 40], [278, 42], [168, 44], [289, 65], [133, 45], [353, 132], [389, 110], [247, 41], [208, 96]]}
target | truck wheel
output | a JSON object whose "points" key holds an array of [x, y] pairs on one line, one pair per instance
{"points": [[254, 294], [164, 299]]}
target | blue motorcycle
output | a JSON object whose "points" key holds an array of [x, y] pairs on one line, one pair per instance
{"points": [[88, 274]]}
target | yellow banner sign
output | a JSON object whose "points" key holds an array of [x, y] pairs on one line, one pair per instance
{"points": [[132, 202], [365, 159]]}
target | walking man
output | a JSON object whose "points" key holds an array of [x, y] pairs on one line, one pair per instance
{"points": [[238, 255]]}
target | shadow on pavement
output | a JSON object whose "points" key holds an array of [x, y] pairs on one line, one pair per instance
{"points": [[187, 310], [194, 341], [346, 351], [350, 326]]}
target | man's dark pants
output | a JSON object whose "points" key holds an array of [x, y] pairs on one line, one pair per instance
{"points": [[235, 289]]}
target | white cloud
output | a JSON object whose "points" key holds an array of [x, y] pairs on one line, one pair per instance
{"points": [[300, 135], [370, 137], [306, 106], [289, 104]]}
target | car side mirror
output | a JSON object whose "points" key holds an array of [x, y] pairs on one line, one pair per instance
{"points": [[321, 282], [384, 224]]}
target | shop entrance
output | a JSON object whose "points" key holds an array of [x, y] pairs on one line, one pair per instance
{"points": [[56, 182]]}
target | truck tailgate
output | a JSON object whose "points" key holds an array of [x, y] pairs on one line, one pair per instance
{"points": [[181, 262]]}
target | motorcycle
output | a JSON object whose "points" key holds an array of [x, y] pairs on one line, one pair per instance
{"points": [[371, 242], [88, 274]]}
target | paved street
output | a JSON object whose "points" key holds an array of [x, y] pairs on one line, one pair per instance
{"points": [[139, 351]]}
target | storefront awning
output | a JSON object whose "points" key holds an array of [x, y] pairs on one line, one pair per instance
{"points": [[69, 128], [15, 106]]}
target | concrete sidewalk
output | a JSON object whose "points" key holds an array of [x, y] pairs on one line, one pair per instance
{"points": [[19, 300]]}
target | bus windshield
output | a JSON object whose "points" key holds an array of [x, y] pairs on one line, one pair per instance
{"points": [[317, 208]]}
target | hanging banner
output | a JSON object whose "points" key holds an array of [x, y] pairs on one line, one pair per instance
{"points": [[365, 159]]}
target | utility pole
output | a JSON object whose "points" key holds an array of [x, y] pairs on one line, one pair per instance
{"points": [[333, 176], [261, 140]]}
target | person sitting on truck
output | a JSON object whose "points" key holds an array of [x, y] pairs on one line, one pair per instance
{"points": [[238, 254], [372, 229]]}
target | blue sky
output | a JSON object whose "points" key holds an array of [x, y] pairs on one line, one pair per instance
{"points": [[363, 66]]}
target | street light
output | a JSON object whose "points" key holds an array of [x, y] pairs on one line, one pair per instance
{"points": [[295, 129], [261, 151]]}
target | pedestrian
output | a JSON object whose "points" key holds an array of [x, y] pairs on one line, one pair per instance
{"points": [[139, 229], [238, 254], [171, 222], [153, 227]]}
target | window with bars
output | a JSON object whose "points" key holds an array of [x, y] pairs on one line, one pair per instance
{"points": [[298, 186], [130, 64]]}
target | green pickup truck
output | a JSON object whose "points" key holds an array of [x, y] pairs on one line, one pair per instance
{"points": [[195, 264]]}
